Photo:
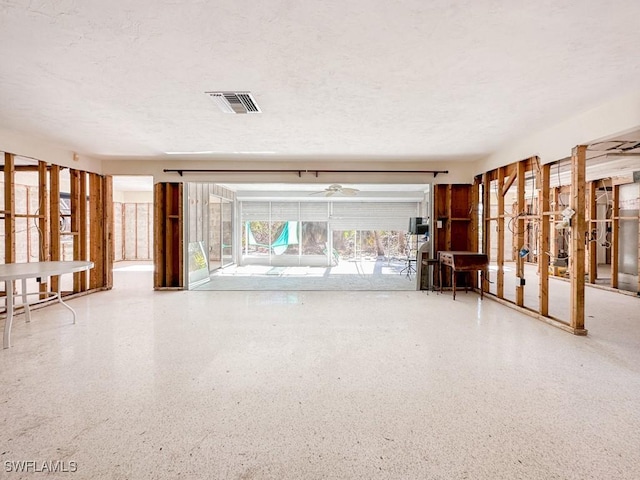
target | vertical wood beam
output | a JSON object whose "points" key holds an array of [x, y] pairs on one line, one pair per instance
{"points": [[123, 224], [578, 234], [44, 253], [520, 234], [28, 230], [96, 231], [54, 212], [135, 230], [592, 260], [43, 221], [159, 214], [615, 234], [486, 213], [474, 201], [449, 216], [177, 226], [108, 239], [555, 202], [74, 194], [169, 237], [544, 231], [500, 253], [10, 208], [83, 232]]}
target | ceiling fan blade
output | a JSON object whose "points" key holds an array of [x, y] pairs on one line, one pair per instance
{"points": [[329, 193], [349, 191], [317, 193]]}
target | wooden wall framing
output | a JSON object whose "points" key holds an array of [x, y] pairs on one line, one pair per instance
{"points": [[456, 211], [168, 224], [543, 175], [578, 237], [544, 214], [91, 198], [134, 230], [537, 218], [9, 209]]}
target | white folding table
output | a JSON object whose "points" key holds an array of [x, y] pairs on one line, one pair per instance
{"points": [[11, 272]]}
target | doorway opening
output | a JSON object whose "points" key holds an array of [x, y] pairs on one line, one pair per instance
{"points": [[133, 231]]}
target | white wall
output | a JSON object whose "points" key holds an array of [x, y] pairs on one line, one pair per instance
{"points": [[459, 172], [46, 151], [137, 197], [132, 197], [555, 142]]}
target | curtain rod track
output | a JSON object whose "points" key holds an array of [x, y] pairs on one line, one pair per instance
{"points": [[182, 171]]}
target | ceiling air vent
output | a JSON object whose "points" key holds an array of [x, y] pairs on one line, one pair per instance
{"points": [[235, 102]]}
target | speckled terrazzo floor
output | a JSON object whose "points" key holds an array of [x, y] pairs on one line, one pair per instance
{"points": [[376, 275], [314, 385]]}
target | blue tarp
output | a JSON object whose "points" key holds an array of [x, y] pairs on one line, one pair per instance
{"points": [[288, 236]]}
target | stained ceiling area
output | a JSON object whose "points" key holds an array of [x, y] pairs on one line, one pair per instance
{"points": [[333, 80]]}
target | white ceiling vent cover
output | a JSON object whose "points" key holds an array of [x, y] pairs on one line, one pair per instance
{"points": [[235, 102]]}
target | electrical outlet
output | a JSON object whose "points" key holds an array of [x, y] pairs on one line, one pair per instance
{"points": [[439, 224]]}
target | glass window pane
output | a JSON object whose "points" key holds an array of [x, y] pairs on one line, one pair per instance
{"points": [[314, 238]]}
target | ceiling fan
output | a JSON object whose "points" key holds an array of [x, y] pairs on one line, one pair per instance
{"points": [[336, 188]]}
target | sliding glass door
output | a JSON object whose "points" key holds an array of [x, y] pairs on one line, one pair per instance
{"points": [[220, 232], [226, 232]]}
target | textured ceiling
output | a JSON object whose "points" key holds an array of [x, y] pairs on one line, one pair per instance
{"points": [[334, 79]]}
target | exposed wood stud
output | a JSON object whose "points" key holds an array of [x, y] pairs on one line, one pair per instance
{"points": [[97, 225], [555, 199], [520, 227], [10, 208], [578, 234], [592, 258], [158, 222], [54, 209], [486, 212], [544, 232], [169, 237], [500, 235], [512, 178], [108, 238], [135, 230], [74, 194], [449, 216], [87, 244], [28, 230], [83, 230], [474, 201], [44, 253], [124, 230]]}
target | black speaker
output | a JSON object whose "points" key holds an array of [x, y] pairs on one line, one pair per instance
{"points": [[413, 224], [416, 227]]}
